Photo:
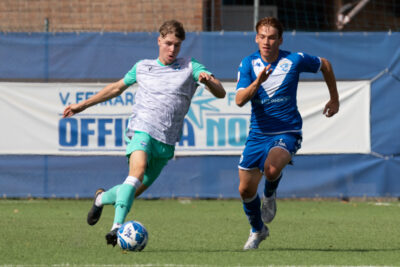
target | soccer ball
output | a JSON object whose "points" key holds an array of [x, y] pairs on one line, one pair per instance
{"points": [[132, 236]]}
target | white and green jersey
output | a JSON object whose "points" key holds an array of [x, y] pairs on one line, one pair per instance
{"points": [[163, 97]]}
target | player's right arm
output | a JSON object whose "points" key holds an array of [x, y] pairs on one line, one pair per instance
{"points": [[110, 91], [244, 95]]}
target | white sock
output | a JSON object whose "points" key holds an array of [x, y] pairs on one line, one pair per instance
{"points": [[97, 202], [133, 181], [248, 200]]}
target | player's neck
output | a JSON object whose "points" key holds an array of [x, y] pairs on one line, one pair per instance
{"points": [[270, 58], [164, 62]]}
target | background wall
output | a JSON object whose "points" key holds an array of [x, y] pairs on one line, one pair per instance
{"points": [[196, 15], [100, 15], [355, 56]]}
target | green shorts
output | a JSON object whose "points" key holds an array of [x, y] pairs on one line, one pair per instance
{"points": [[158, 154]]}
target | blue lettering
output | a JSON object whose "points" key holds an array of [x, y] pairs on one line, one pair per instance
{"points": [[129, 97], [79, 97], [118, 132], [233, 124], [220, 128], [85, 131], [107, 103], [119, 100], [64, 100], [189, 136], [231, 98], [66, 126], [89, 94], [70, 129], [103, 131], [126, 99]]}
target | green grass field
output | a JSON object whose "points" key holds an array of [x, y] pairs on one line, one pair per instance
{"points": [[203, 233]]}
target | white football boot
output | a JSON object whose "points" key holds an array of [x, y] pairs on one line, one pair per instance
{"points": [[255, 238], [268, 208]]}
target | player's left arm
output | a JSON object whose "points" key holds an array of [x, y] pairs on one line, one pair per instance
{"points": [[202, 75], [332, 107], [212, 84]]}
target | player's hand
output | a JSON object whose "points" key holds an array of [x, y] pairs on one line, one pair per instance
{"points": [[263, 75], [331, 108], [72, 110], [212, 84], [204, 77]]}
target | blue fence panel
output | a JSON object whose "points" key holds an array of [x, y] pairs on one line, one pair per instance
{"points": [[203, 177], [111, 55]]}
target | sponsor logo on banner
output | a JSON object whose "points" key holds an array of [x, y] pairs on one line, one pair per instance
{"points": [[212, 126], [33, 123]]}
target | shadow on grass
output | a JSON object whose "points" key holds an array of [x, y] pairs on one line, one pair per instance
{"points": [[335, 249], [205, 250]]}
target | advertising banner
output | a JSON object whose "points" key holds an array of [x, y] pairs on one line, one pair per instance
{"points": [[31, 120]]}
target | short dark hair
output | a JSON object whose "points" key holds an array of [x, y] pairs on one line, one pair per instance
{"points": [[270, 21], [172, 26]]}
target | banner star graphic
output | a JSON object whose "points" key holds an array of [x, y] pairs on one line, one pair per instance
{"points": [[200, 103]]}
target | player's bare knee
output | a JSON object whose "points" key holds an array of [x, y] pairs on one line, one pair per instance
{"points": [[242, 191], [245, 192], [271, 173]]}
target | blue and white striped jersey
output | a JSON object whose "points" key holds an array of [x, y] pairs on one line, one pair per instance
{"points": [[274, 106]]}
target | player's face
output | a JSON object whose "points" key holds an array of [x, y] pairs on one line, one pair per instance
{"points": [[169, 48], [268, 41]]}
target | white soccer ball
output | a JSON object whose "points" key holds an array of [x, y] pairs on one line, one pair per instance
{"points": [[132, 236]]}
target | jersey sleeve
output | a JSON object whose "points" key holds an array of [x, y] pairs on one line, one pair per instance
{"points": [[309, 63], [197, 69], [244, 74], [130, 77]]}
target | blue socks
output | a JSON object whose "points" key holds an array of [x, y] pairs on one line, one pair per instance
{"points": [[252, 209], [270, 187]]}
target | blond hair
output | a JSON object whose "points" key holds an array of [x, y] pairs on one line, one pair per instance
{"points": [[174, 27]]}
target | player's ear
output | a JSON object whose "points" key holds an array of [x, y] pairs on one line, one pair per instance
{"points": [[159, 40], [256, 39]]}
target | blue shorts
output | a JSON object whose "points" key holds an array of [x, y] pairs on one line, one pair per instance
{"points": [[258, 146]]}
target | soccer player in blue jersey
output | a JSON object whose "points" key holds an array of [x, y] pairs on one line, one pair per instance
{"points": [[268, 79], [166, 87]]}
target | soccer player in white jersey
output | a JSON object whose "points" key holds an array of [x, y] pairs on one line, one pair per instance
{"points": [[166, 87], [268, 79]]}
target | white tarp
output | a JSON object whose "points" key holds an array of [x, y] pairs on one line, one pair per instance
{"points": [[31, 121]]}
